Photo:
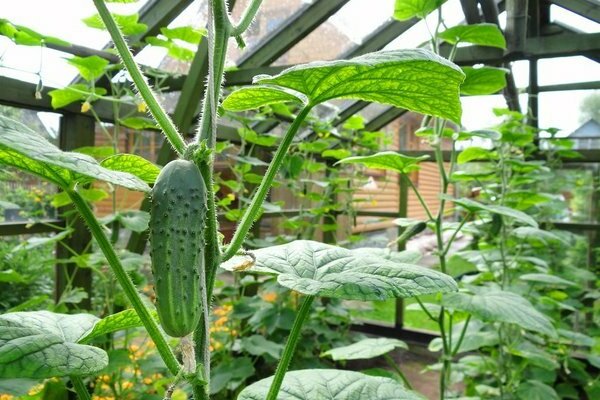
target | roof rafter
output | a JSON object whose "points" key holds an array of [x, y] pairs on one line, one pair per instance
{"points": [[583, 8]]}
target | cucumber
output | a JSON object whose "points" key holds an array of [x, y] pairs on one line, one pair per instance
{"points": [[177, 220]]}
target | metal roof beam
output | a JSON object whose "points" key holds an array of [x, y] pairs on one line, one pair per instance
{"points": [[384, 118], [583, 8], [471, 11], [291, 31]]}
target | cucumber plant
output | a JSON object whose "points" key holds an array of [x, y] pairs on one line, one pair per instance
{"points": [[185, 239]]}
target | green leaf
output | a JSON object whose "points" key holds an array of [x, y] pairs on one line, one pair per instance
{"points": [[126, 319], [485, 175], [252, 97], [128, 23], [10, 275], [535, 236], [134, 220], [545, 279], [482, 133], [407, 9], [365, 349], [355, 123], [90, 68], [481, 34], [475, 153], [22, 148], [405, 257], [330, 384], [501, 306], [231, 375], [388, 160], [98, 152], [134, 165], [338, 154], [187, 34], [476, 207], [314, 268], [483, 80], [138, 123], [41, 344], [91, 195], [70, 94], [22, 35], [35, 242], [536, 390], [417, 80], [257, 346], [252, 136]]}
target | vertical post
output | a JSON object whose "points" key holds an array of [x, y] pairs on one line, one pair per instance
{"points": [[75, 131], [516, 25], [402, 213], [533, 94]]}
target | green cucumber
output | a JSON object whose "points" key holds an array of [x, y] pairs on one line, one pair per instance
{"points": [[177, 220]]}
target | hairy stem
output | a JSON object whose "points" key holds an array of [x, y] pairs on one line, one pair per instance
{"points": [[161, 117], [252, 212], [246, 18], [125, 281], [290, 348]]}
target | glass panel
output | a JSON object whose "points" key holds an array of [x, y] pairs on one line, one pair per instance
{"points": [[272, 14], [566, 111], [418, 35], [35, 14], [552, 71], [340, 32], [572, 21], [477, 110]]}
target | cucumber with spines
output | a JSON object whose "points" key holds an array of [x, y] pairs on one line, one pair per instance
{"points": [[177, 220]]}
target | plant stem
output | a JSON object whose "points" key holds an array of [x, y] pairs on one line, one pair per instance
{"points": [[246, 18], [141, 84], [290, 348], [252, 212], [398, 371], [80, 388], [462, 335], [453, 237], [418, 194], [125, 281]]}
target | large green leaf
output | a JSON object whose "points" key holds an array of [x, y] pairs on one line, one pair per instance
{"points": [[41, 344], [314, 268], [501, 306], [257, 345], [417, 80], [483, 80], [407, 9], [475, 207], [22, 148], [187, 34], [406, 256], [331, 384], [365, 349], [388, 160], [482, 34], [536, 236], [475, 153]]}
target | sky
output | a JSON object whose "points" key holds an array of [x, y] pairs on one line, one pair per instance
{"points": [[356, 19]]}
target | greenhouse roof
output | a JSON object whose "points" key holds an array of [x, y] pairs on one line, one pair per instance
{"points": [[292, 31]]}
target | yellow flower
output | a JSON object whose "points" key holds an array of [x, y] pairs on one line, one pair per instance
{"points": [[270, 297], [147, 381], [141, 107], [127, 385], [85, 107], [6, 397]]}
